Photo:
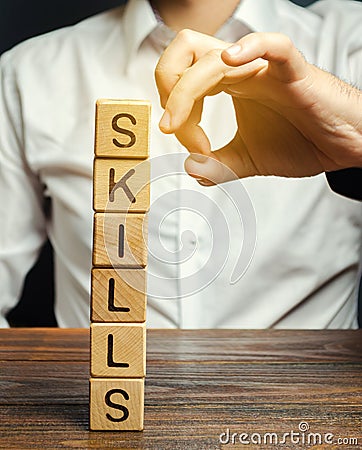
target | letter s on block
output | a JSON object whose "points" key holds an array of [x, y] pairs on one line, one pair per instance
{"points": [[128, 133], [117, 405]]}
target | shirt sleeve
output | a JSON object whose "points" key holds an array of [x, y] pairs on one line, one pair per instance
{"points": [[22, 222]]}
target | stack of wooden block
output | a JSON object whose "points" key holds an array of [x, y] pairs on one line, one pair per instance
{"points": [[118, 293]]}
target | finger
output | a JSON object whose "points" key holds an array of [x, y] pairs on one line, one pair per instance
{"points": [[286, 62], [209, 167], [191, 135], [212, 167], [230, 162], [187, 47], [203, 78]]}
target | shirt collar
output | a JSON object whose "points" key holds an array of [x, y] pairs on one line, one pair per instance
{"points": [[258, 15], [251, 16], [139, 22]]}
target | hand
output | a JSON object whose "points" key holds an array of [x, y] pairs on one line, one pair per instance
{"points": [[293, 119]]}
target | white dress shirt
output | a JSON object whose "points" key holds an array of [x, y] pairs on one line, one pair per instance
{"points": [[262, 252]]}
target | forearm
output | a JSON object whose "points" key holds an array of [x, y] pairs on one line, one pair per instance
{"points": [[340, 109]]}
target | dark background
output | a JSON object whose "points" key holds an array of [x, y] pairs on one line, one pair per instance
{"points": [[19, 20]]}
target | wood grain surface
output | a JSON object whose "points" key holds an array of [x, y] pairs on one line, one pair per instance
{"points": [[130, 187], [118, 295], [122, 128], [126, 398], [115, 248], [124, 356], [199, 385]]}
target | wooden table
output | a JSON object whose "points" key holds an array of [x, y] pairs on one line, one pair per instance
{"points": [[199, 385]]}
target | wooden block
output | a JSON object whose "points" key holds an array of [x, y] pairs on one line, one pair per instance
{"points": [[120, 240], [118, 295], [122, 128], [116, 404], [121, 185], [118, 350]]}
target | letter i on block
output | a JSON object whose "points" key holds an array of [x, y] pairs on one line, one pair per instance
{"points": [[121, 197]]}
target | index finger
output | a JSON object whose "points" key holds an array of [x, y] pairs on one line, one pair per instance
{"points": [[187, 48], [286, 62]]}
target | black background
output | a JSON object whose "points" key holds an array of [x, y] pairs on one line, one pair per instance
{"points": [[19, 20]]}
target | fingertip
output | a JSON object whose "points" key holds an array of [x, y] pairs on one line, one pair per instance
{"points": [[204, 181], [165, 122], [205, 169], [163, 102], [232, 55]]}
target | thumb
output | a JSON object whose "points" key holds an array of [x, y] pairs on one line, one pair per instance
{"points": [[226, 164]]}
